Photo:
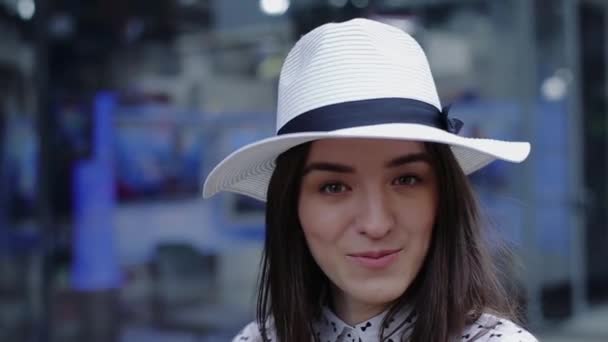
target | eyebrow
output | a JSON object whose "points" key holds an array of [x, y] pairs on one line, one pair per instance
{"points": [[409, 158], [341, 168], [330, 167]]}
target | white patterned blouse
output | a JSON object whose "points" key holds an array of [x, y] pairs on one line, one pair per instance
{"points": [[488, 328]]}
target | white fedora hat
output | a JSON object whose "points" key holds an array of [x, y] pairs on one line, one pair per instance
{"points": [[356, 79]]}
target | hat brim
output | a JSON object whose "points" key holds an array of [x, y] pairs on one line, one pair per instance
{"points": [[247, 171]]}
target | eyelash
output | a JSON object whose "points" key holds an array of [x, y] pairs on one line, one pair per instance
{"points": [[324, 188], [409, 176]]}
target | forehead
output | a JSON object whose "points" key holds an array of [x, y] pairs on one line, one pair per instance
{"points": [[353, 150]]}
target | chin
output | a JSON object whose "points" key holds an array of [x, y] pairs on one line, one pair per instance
{"points": [[379, 292]]}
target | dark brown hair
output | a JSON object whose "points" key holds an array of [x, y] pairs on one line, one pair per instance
{"points": [[456, 284]]}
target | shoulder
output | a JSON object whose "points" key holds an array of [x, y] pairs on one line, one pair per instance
{"points": [[251, 333], [495, 329]]}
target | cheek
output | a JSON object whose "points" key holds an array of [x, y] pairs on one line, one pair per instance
{"points": [[323, 229], [320, 226], [319, 217], [417, 220], [421, 210]]}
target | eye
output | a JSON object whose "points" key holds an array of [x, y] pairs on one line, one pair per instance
{"points": [[407, 180], [333, 188]]}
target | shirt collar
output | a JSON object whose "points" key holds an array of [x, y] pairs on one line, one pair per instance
{"points": [[332, 328]]}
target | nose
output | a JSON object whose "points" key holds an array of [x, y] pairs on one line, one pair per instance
{"points": [[375, 215]]}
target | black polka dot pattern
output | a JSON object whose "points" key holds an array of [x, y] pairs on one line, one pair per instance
{"points": [[489, 328], [330, 328]]}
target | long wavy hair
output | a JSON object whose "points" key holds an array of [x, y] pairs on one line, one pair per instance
{"points": [[456, 284]]}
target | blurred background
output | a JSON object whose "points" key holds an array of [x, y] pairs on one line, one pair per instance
{"points": [[111, 113]]}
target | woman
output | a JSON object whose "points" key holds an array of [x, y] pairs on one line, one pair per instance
{"points": [[372, 228]]}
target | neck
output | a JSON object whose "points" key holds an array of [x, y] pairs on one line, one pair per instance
{"points": [[352, 311]]}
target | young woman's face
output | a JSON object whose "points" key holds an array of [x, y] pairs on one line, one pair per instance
{"points": [[367, 209]]}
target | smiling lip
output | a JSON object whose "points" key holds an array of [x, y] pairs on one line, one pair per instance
{"points": [[375, 259]]}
